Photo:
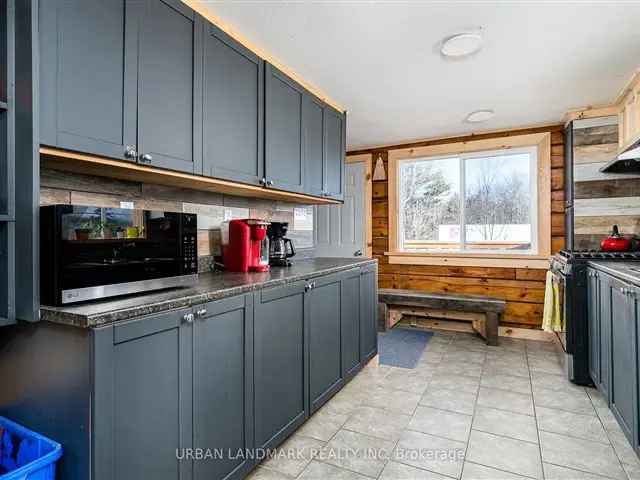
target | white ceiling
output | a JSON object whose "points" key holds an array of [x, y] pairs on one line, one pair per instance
{"points": [[380, 60]]}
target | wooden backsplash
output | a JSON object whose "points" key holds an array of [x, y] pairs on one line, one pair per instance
{"points": [[60, 187], [601, 199], [523, 289]]}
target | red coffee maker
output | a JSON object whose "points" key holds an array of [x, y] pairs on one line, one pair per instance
{"points": [[245, 245]]}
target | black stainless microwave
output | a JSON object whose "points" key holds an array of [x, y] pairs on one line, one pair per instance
{"points": [[89, 253]]}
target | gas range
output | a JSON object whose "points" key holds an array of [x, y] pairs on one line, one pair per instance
{"points": [[574, 255], [566, 260]]}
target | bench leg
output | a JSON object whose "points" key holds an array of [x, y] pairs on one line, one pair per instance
{"points": [[383, 317], [493, 320]]}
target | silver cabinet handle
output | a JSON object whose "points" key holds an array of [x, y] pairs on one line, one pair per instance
{"points": [[201, 313], [357, 253], [146, 158], [187, 318], [263, 181], [130, 151], [269, 183]]}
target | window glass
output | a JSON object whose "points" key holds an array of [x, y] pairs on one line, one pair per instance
{"points": [[472, 202], [430, 204], [497, 200]]}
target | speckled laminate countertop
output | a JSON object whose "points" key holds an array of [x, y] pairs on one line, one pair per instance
{"points": [[210, 286]]}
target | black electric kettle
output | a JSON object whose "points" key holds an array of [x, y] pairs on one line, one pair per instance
{"points": [[281, 249]]}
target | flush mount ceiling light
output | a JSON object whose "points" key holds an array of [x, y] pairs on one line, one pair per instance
{"points": [[480, 116], [461, 44]]}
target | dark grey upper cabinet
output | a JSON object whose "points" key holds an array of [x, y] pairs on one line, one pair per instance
{"points": [[87, 77], [223, 386], [170, 86], [624, 367], [368, 313], [314, 144], [278, 363], [143, 393], [284, 163], [233, 109], [334, 139], [350, 323], [323, 326]]}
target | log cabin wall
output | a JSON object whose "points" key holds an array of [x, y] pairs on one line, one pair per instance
{"points": [[523, 289]]}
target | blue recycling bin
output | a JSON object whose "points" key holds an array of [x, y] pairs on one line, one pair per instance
{"points": [[26, 455]]}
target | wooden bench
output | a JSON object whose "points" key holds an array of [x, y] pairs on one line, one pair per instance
{"points": [[484, 313]]}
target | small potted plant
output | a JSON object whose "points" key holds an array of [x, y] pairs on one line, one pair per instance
{"points": [[84, 229], [87, 228]]}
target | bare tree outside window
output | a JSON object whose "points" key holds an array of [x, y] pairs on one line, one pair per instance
{"points": [[497, 211], [430, 198]]}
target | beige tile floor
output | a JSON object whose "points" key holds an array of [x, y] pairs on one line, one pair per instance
{"points": [[467, 411]]}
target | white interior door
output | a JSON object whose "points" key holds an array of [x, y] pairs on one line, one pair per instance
{"points": [[340, 229]]}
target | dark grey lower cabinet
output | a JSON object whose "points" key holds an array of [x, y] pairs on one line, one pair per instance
{"points": [[368, 312], [350, 323], [142, 399], [623, 389], [595, 325], [190, 394], [324, 336], [223, 387], [280, 395]]}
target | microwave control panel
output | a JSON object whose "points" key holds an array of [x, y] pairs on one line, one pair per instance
{"points": [[189, 244]]}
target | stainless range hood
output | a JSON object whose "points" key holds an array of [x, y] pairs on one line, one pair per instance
{"points": [[626, 162]]}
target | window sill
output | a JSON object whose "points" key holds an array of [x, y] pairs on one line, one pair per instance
{"points": [[469, 260]]}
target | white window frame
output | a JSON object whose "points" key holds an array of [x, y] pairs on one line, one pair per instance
{"points": [[460, 158]]}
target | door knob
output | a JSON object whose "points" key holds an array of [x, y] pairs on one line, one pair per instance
{"points": [[269, 183], [187, 318], [357, 253], [201, 313], [263, 181], [146, 158]]}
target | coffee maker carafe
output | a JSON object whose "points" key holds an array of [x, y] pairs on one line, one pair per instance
{"points": [[281, 249]]}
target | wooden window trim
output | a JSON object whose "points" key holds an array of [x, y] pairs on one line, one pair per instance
{"points": [[539, 260]]}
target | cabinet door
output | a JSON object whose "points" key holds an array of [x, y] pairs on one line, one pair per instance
{"points": [[284, 166], [623, 355], [233, 109], [350, 323], [334, 137], [313, 126], [279, 364], [368, 313], [170, 86], [87, 77], [143, 399], [223, 388], [593, 320], [604, 305], [323, 327]]}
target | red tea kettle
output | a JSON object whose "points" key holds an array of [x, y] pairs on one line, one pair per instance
{"points": [[616, 242]]}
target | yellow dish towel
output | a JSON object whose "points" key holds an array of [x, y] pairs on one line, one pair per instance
{"points": [[552, 316]]}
